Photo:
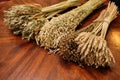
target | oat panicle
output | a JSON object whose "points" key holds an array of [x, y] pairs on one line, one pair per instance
{"points": [[27, 19]]}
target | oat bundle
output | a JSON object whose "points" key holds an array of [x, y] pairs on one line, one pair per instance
{"points": [[54, 30], [88, 46], [27, 19]]}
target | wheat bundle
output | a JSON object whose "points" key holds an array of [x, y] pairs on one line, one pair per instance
{"points": [[88, 46]]}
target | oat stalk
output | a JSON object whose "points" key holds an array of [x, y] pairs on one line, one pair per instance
{"points": [[27, 19]]}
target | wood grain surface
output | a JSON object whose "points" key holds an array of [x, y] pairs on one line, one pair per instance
{"points": [[23, 60]]}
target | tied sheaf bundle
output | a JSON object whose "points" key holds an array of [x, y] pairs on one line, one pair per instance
{"points": [[27, 19], [52, 32], [88, 46]]}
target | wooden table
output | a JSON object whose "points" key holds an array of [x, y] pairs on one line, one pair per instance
{"points": [[23, 60]]}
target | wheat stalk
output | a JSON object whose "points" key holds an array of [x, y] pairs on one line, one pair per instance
{"points": [[89, 45]]}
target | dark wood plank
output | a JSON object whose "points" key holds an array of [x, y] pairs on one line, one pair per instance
{"points": [[23, 60]]}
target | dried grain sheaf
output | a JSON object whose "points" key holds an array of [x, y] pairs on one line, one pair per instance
{"points": [[91, 47], [27, 19], [54, 30]]}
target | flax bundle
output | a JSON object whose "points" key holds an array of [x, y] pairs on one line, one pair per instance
{"points": [[54, 30], [27, 19], [88, 45]]}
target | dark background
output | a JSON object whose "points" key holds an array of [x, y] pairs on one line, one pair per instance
{"points": [[117, 3], [3, 0]]}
